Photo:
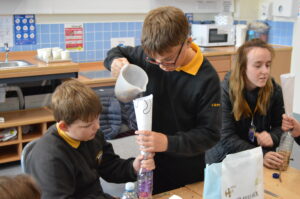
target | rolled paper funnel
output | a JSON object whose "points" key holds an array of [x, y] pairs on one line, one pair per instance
{"points": [[287, 85], [143, 112]]}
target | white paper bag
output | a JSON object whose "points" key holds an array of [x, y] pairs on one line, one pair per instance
{"points": [[240, 175]]}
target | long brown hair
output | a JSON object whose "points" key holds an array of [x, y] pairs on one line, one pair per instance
{"points": [[237, 82]]}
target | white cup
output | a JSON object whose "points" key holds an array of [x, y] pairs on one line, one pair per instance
{"points": [[56, 53], [46, 53], [40, 53], [131, 81], [65, 55], [240, 34]]}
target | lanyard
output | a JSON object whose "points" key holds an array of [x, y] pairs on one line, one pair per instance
{"points": [[252, 129]]}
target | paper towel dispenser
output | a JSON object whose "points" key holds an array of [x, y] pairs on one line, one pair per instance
{"points": [[285, 8]]}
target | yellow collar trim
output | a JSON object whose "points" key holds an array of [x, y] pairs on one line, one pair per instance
{"points": [[194, 65], [73, 143]]}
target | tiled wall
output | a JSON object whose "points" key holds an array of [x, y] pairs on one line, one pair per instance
{"points": [[97, 37], [281, 32]]}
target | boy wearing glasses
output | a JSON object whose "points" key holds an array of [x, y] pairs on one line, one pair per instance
{"points": [[186, 103]]}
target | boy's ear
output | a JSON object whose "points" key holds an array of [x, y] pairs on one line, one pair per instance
{"points": [[63, 126], [189, 40]]}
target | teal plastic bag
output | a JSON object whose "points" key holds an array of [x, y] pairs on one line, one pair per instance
{"points": [[212, 181]]}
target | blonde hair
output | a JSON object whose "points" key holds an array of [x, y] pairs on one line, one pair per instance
{"points": [[164, 28], [237, 82], [72, 100], [19, 187]]}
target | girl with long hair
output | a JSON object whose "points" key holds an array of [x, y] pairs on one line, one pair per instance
{"points": [[252, 105]]}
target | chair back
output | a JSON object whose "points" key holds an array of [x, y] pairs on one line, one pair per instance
{"points": [[25, 153]]}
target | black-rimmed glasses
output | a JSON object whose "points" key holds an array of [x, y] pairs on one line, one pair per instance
{"points": [[153, 61]]}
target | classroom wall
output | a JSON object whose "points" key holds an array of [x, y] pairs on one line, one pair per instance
{"points": [[100, 28]]}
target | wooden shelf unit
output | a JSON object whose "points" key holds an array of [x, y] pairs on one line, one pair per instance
{"points": [[223, 59], [36, 120], [222, 64]]}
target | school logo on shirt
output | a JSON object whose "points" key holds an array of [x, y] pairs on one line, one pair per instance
{"points": [[99, 157], [215, 105]]}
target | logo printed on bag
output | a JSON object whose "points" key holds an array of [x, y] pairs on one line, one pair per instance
{"points": [[253, 195], [229, 191]]}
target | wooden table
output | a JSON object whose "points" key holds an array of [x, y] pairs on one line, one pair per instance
{"points": [[183, 192], [288, 188]]}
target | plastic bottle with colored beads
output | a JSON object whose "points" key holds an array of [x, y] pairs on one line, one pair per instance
{"points": [[145, 183]]}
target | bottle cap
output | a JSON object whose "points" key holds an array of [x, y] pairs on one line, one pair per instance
{"points": [[275, 175], [129, 186]]}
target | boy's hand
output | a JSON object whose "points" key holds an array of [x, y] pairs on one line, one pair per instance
{"points": [[116, 66], [140, 162], [273, 160], [287, 123], [290, 124], [264, 139], [151, 141]]}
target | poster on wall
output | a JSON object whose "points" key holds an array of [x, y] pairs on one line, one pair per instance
{"points": [[25, 29], [228, 6], [74, 36], [6, 30]]}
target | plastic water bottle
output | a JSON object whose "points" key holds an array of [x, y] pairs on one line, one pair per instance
{"points": [[285, 148], [129, 192], [145, 183]]}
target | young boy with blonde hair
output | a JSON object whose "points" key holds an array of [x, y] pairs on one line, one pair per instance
{"points": [[69, 159]]}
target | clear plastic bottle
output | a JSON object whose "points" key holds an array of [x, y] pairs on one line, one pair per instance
{"points": [[129, 192], [285, 148], [145, 183]]}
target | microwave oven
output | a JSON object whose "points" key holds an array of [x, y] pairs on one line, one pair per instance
{"points": [[213, 35]]}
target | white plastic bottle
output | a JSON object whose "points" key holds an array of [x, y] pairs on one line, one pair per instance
{"points": [[129, 192]]}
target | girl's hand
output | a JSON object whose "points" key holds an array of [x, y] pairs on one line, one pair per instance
{"points": [[273, 160], [264, 139]]}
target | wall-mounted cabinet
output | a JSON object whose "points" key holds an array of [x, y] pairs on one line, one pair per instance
{"points": [[30, 124], [73, 6], [106, 7]]}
